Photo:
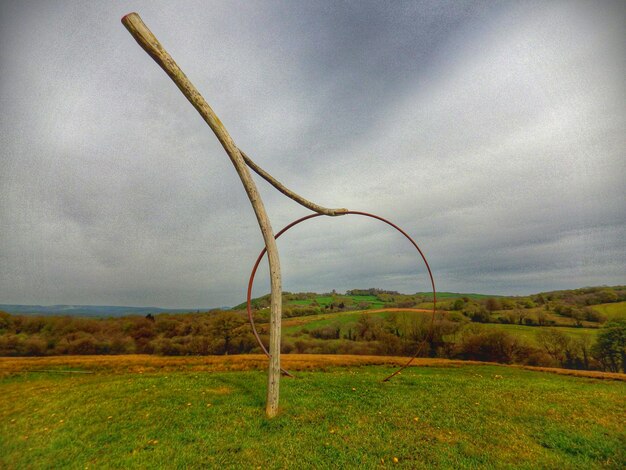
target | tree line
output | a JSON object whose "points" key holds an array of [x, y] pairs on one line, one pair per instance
{"points": [[452, 337], [227, 332]]}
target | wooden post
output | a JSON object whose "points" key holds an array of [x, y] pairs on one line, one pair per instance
{"points": [[151, 45]]}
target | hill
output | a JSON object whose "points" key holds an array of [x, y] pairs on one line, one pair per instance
{"points": [[570, 302], [559, 329], [88, 311], [444, 415]]}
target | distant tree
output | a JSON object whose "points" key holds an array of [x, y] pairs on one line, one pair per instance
{"points": [[368, 328], [480, 316], [607, 295], [5, 320], [223, 326], [594, 315], [458, 305], [492, 304], [555, 343], [326, 332], [584, 348], [519, 315], [542, 318], [488, 345], [610, 346]]}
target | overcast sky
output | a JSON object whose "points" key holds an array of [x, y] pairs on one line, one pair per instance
{"points": [[492, 132]]}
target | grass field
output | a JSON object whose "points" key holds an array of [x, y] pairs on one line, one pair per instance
{"points": [[372, 301], [530, 333], [447, 415], [344, 320], [456, 295], [347, 320], [614, 311]]}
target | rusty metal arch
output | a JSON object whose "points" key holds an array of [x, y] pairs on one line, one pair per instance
{"points": [[366, 214]]}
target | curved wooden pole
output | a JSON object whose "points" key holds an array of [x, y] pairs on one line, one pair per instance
{"points": [[153, 47], [288, 192]]}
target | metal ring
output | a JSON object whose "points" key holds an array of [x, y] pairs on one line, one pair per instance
{"points": [[366, 214]]}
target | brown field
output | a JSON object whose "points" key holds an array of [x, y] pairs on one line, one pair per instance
{"points": [[137, 363]]}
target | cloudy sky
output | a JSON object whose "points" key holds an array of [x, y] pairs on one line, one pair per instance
{"points": [[492, 132]]}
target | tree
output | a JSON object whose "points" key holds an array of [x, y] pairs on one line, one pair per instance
{"points": [[519, 315], [493, 304], [610, 346], [148, 41], [488, 345], [555, 343], [458, 305], [223, 326], [367, 328], [542, 318]]}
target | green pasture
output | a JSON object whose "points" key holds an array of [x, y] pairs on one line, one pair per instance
{"points": [[613, 311], [530, 333], [464, 417], [348, 320]]}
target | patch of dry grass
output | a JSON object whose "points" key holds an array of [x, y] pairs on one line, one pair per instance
{"points": [[137, 363]]}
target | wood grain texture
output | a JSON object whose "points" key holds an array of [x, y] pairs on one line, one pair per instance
{"points": [[288, 192], [153, 47]]}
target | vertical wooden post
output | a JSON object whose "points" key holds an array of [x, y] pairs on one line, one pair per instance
{"points": [[153, 47]]}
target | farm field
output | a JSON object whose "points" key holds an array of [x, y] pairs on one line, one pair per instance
{"points": [[348, 320], [343, 319], [138, 414], [365, 301], [530, 333], [613, 311]]}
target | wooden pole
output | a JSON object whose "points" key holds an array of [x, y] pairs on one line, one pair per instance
{"points": [[153, 47]]}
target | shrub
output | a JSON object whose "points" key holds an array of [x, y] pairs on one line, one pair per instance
{"points": [[490, 345], [610, 346], [326, 332], [84, 344]]}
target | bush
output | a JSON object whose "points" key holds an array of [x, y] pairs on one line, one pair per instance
{"points": [[326, 332], [480, 316], [594, 316], [610, 346], [490, 345], [166, 347], [83, 345]]}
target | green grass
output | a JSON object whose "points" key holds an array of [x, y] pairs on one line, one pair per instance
{"points": [[530, 333], [322, 300], [613, 311], [467, 417], [456, 295], [347, 320]]}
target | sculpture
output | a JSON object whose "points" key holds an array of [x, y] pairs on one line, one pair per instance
{"points": [[241, 162]]}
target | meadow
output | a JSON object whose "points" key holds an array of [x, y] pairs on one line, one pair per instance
{"points": [[151, 412], [613, 311], [347, 321]]}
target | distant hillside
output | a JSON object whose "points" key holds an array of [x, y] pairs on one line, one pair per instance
{"points": [[359, 299], [560, 329], [92, 311], [456, 295]]}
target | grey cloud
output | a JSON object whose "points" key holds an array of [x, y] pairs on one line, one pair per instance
{"points": [[492, 132]]}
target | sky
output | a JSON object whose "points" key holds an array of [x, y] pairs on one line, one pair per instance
{"points": [[491, 132]]}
